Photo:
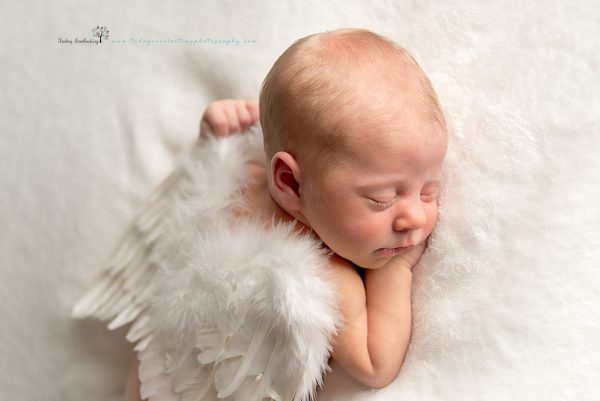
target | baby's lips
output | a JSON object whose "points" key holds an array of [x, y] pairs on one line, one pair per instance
{"points": [[392, 251]]}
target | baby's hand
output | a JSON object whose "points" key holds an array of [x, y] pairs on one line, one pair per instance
{"points": [[411, 257], [225, 117]]}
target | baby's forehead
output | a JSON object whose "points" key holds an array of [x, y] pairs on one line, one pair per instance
{"points": [[371, 163], [380, 121]]}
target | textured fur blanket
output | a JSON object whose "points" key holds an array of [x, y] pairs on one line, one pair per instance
{"points": [[221, 309]]}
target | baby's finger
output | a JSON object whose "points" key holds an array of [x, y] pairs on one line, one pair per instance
{"points": [[252, 108], [232, 119], [216, 120], [243, 115]]}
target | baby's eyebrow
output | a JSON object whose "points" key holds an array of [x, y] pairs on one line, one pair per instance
{"points": [[394, 183], [380, 185]]}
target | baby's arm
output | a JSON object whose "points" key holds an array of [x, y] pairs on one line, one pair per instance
{"points": [[228, 116], [372, 345]]}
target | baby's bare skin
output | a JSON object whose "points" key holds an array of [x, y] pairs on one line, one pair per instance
{"points": [[132, 386]]}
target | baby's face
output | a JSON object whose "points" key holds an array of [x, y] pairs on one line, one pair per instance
{"points": [[383, 195]]}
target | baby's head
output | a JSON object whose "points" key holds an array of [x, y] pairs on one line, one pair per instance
{"points": [[356, 139]]}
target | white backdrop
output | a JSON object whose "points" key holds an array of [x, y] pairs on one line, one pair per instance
{"points": [[504, 300]]}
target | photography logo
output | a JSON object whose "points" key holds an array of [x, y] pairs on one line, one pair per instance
{"points": [[98, 34]]}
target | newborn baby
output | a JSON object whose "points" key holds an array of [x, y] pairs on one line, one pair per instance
{"points": [[356, 139]]}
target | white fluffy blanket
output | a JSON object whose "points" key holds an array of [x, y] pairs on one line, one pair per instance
{"points": [[505, 301]]}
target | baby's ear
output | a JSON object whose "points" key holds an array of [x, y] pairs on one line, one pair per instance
{"points": [[286, 177]]}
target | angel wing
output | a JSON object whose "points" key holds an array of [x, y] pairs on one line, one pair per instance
{"points": [[124, 287], [219, 310]]}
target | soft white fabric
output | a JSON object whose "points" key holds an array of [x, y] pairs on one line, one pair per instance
{"points": [[505, 299]]}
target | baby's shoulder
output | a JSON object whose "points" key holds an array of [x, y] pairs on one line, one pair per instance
{"points": [[254, 193], [345, 270], [350, 289], [255, 172]]}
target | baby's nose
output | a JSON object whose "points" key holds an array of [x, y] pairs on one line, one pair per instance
{"points": [[410, 217]]}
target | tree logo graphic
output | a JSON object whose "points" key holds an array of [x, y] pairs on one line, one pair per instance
{"points": [[100, 32]]}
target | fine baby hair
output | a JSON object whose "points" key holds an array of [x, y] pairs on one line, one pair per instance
{"points": [[324, 80]]}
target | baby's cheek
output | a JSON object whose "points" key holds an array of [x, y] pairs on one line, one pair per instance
{"points": [[355, 236]]}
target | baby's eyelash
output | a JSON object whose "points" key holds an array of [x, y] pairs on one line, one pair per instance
{"points": [[430, 197], [383, 205]]}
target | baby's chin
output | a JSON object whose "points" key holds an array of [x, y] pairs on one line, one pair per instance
{"points": [[381, 257], [371, 263]]}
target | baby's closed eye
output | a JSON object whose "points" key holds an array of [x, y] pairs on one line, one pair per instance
{"points": [[430, 191], [381, 203], [429, 196]]}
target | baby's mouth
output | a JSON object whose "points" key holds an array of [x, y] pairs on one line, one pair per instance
{"points": [[391, 251]]}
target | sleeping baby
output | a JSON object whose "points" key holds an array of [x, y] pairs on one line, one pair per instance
{"points": [[356, 139]]}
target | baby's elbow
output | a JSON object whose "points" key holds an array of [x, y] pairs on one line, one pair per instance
{"points": [[381, 383], [379, 380]]}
